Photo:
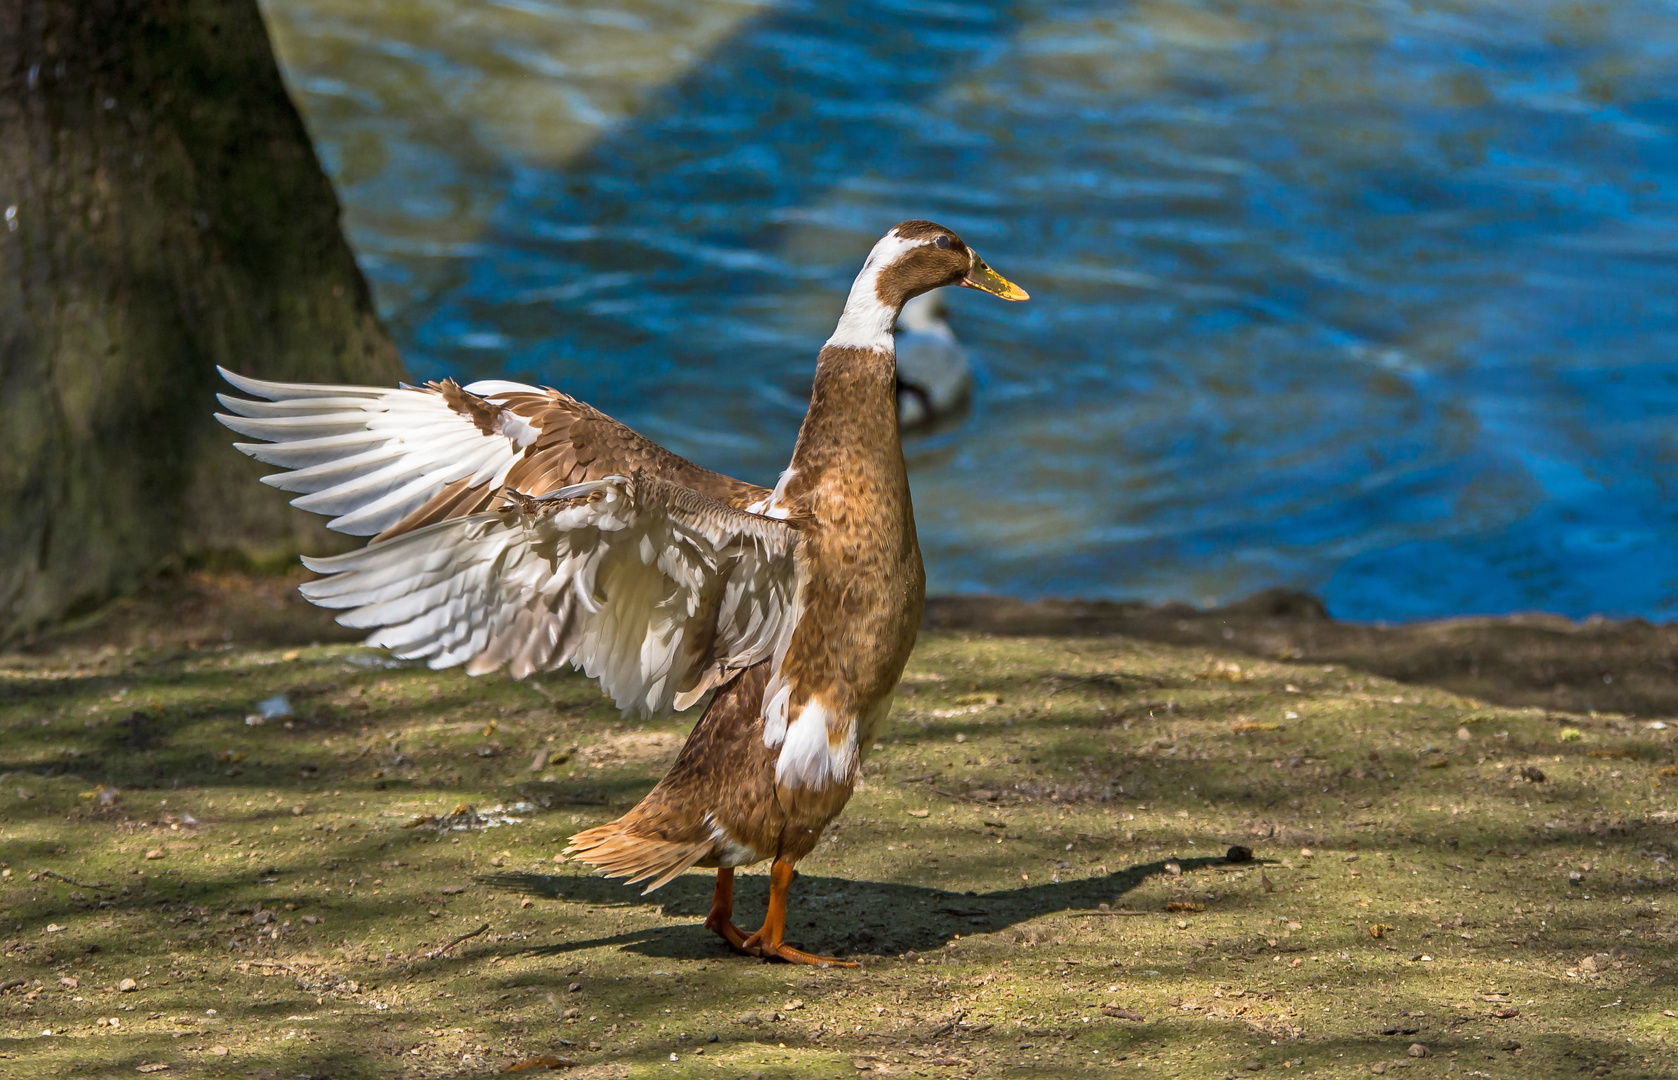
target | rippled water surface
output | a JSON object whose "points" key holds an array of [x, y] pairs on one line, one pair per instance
{"points": [[1372, 299]]}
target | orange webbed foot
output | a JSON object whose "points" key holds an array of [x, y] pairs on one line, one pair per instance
{"points": [[759, 945], [720, 921], [730, 933], [766, 943]]}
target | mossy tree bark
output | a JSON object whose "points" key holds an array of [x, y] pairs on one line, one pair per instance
{"points": [[164, 212]]}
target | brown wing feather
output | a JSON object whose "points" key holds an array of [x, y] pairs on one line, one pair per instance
{"points": [[578, 443]]}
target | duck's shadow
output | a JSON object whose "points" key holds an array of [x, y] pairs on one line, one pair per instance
{"points": [[842, 916]]}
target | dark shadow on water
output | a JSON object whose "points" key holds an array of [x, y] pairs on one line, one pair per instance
{"points": [[848, 917]]}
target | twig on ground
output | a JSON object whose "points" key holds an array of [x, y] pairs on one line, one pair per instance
{"points": [[950, 1025], [73, 881], [440, 950]]}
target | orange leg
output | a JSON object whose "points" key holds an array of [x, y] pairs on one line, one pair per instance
{"points": [[767, 942], [721, 919]]}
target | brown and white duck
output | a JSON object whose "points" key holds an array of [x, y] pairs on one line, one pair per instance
{"points": [[518, 526]]}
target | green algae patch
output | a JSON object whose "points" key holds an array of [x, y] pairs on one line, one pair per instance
{"points": [[291, 856]]}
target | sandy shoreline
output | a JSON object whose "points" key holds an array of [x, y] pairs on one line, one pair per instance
{"points": [[1595, 665], [1531, 660]]}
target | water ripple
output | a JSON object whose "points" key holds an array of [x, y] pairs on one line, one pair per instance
{"points": [[1374, 299]]}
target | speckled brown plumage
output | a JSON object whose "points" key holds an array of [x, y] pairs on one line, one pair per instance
{"points": [[577, 442], [860, 600], [861, 605], [724, 774]]}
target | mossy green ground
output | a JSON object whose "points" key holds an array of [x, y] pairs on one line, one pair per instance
{"points": [[1038, 844]]}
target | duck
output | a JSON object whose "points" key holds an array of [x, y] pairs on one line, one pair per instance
{"points": [[934, 377], [516, 527]]}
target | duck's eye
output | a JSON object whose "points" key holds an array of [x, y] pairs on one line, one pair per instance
{"points": [[941, 241]]}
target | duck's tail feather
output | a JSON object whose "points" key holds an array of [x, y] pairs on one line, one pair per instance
{"points": [[617, 852]]}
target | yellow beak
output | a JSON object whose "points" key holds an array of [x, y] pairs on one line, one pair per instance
{"points": [[983, 278]]}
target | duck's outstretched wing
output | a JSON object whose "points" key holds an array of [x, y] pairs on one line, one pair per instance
{"points": [[651, 587], [383, 462]]}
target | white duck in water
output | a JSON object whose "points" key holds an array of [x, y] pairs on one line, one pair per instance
{"points": [[934, 378]]}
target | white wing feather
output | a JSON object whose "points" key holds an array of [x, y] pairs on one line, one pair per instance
{"points": [[648, 586], [370, 456]]}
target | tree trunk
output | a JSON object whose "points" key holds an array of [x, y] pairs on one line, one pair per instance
{"points": [[164, 212]]}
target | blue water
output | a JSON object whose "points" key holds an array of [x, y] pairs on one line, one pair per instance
{"points": [[1377, 300]]}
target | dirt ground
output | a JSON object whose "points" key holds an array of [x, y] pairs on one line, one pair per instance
{"points": [[1461, 840]]}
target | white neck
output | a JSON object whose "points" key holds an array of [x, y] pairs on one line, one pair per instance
{"points": [[867, 321]]}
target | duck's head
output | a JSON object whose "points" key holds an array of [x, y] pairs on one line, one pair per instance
{"points": [[919, 256], [913, 258]]}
